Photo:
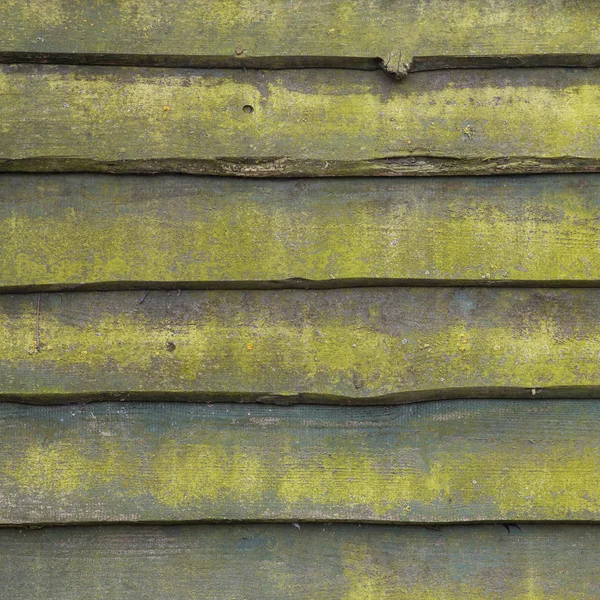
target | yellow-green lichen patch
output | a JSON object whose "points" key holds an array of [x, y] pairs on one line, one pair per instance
{"points": [[275, 29], [104, 230], [373, 576], [299, 122], [65, 468], [361, 343], [482, 461]]}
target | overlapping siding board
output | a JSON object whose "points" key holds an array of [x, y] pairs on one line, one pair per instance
{"points": [[315, 562], [435, 462], [399, 36], [326, 270], [311, 122], [106, 232], [354, 345]]}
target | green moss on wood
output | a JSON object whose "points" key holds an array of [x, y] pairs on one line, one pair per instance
{"points": [[436, 462], [109, 231], [366, 344], [311, 122]]}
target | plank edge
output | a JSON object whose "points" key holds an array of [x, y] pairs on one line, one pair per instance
{"points": [[399, 70], [285, 167], [199, 396]]}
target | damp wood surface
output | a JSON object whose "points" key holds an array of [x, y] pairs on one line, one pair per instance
{"points": [[359, 345], [434, 462], [303, 122], [316, 562], [113, 231], [399, 36]]}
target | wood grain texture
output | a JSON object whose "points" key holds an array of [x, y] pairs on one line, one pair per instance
{"points": [[274, 562], [441, 462], [114, 232], [415, 34], [307, 122], [364, 345]]}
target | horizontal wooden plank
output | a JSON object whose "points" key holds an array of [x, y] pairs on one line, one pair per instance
{"points": [[364, 345], [442, 462], [345, 562], [273, 33], [303, 122], [111, 232]]}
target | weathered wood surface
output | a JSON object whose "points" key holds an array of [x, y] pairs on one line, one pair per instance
{"points": [[307, 122], [357, 344], [442, 462], [415, 35], [111, 232], [317, 562]]}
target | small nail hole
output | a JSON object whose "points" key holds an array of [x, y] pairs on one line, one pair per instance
{"points": [[248, 109], [170, 346]]}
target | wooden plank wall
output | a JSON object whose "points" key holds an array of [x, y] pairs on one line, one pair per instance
{"points": [[413, 35], [299, 299]]}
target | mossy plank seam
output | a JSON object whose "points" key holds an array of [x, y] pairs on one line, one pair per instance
{"points": [[298, 123], [272, 34]]}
